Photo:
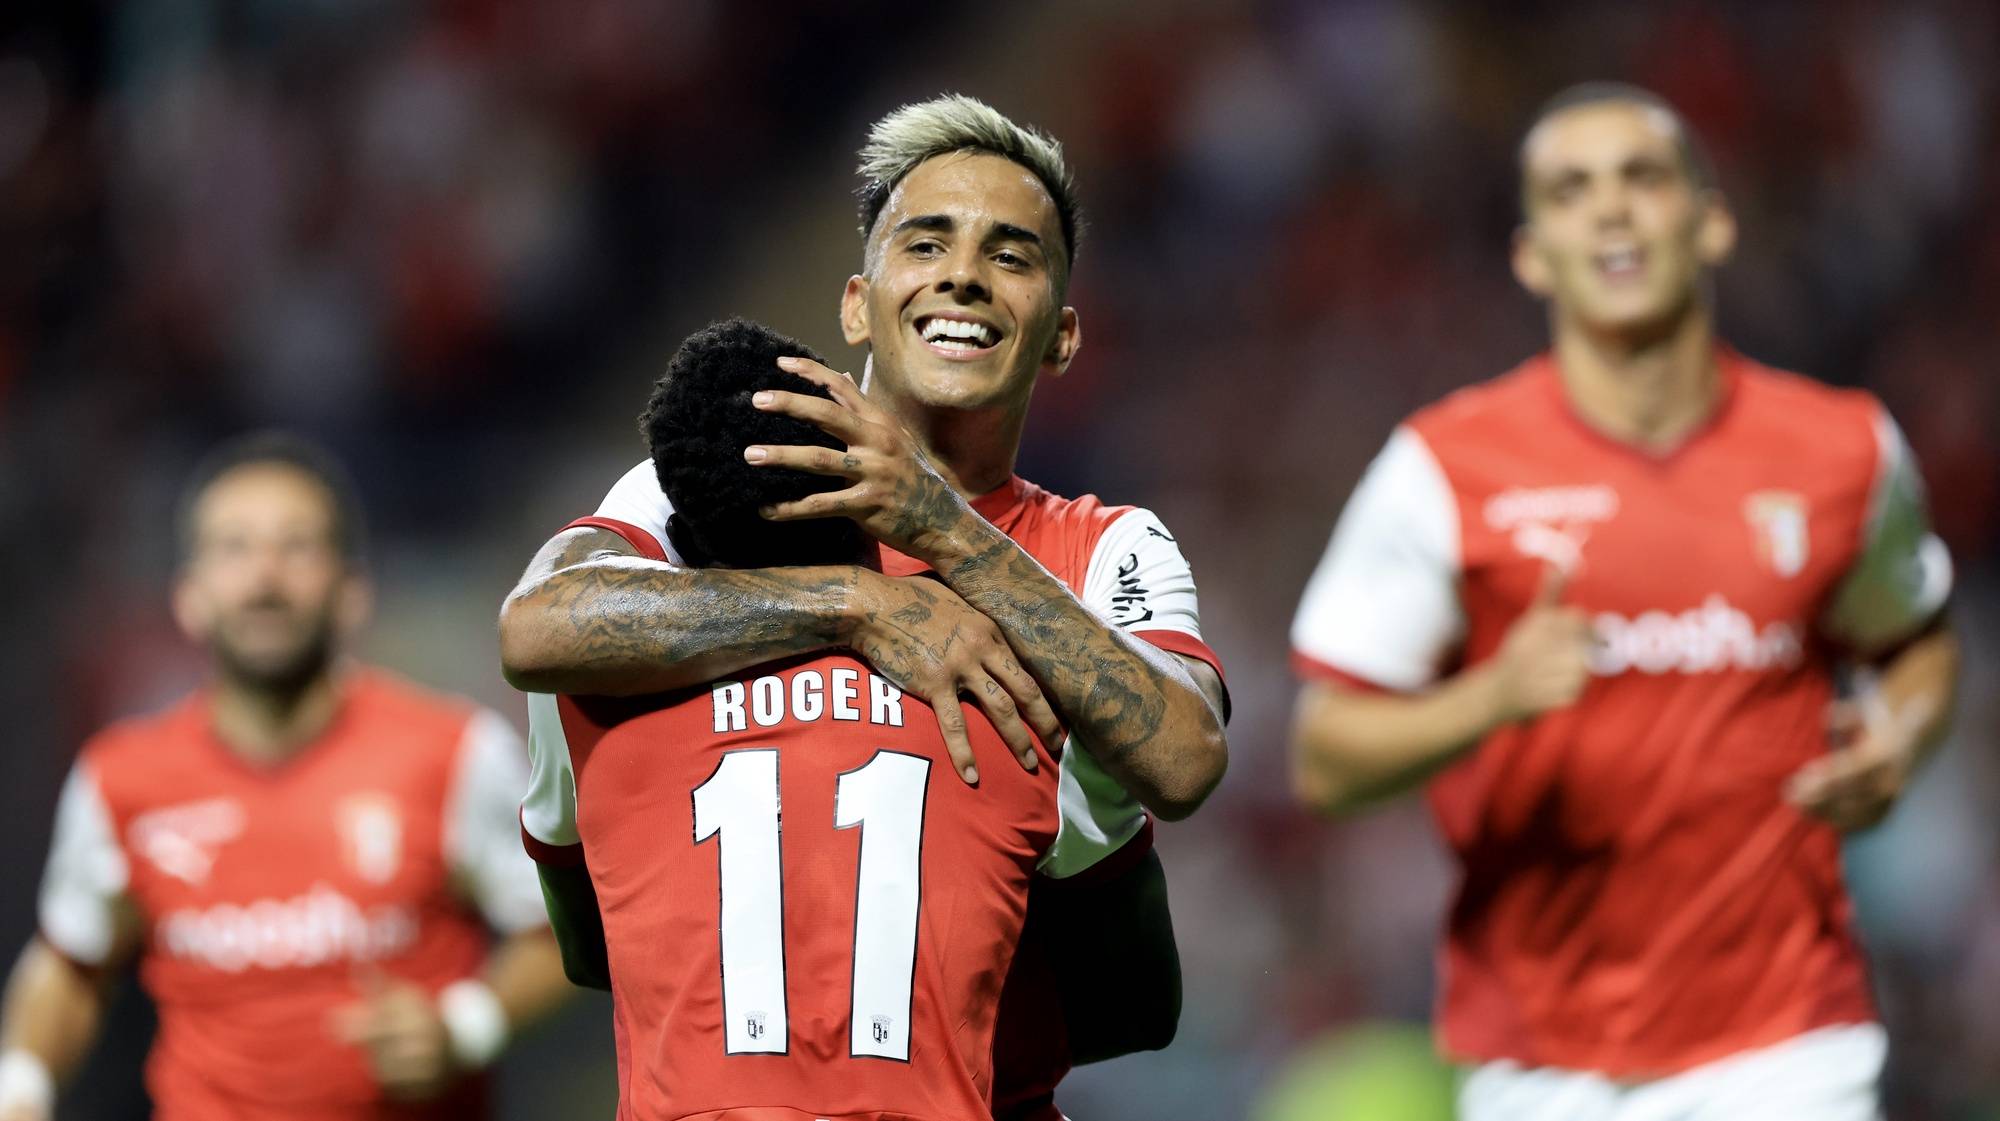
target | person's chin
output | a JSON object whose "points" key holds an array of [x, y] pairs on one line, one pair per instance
{"points": [[959, 385], [1630, 314], [278, 669]]}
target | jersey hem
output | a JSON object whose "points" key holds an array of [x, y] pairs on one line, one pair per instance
{"points": [[1635, 1066], [1118, 861], [551, 856]]}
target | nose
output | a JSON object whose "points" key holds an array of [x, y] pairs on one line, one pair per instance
{"points": [[1614, 207], [964, 277]]}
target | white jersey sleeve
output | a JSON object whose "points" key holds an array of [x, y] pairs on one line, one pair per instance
{"points": [[1383, 605], [548, 812], [1902, 574], [1139, 581], [636, 499], [481, 839], [84, 885]]}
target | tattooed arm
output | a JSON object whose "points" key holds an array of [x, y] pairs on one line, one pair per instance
{"points": [[590, 616], [1152, 718]]}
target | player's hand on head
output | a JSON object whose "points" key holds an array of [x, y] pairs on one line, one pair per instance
{"points": [[400, 1032], [934, 646], [894, 492], [1544, 660], [1856, 783]]}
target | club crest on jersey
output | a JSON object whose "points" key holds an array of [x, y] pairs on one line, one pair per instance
{"points": [[880, 1024], [753, 1025], [182, 841], [1551, 523], [1779, 523], [371, 835]]}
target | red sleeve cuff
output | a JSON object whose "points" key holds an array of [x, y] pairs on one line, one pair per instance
{"points": [[1309, 668], [1120, 862], [92, 970], [648, 545], [1188, 646], [554, 856]]}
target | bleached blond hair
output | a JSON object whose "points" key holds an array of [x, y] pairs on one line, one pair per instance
{"points": [[951, 123]]}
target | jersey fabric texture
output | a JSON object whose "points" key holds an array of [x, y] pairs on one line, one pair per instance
{"points": [[388, 842], [1637, 898], [1124, 566]]}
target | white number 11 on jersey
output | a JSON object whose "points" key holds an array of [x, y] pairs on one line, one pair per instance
{"points": [[885, 799]]}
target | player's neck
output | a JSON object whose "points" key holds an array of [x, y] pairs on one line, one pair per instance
{"points": [[1649, 391], [265, 726], [974, 449]]}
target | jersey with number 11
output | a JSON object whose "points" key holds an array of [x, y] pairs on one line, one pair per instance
{"points": [[808, 914]]}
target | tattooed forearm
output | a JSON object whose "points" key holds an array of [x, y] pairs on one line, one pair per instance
{"points": [[591, 617], [1131, 705]]}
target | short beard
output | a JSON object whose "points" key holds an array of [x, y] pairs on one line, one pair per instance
{"points": [[282, 680]]}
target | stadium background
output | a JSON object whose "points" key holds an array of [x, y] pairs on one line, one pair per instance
{"points": [[456, 241]]}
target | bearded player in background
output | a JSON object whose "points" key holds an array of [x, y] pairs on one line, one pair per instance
{"points": [[969, 227], [305, 857], [1600, 603]]}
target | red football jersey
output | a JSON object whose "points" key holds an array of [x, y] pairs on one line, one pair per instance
{"points": [[1637, 896], [263, 890], [845, 965], [1124, 565]]}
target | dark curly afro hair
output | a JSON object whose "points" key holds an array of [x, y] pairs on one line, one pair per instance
{"points": [[697, 422]]}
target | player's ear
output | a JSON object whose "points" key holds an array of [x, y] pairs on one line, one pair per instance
{"points": [[1068, 340], [854, 310], [355, 605], [1529, 268], [1715, 237], [192, 612]]}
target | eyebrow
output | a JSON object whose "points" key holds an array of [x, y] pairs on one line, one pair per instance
{"points": [[942, 223], [1008, 231], [939, 222]]}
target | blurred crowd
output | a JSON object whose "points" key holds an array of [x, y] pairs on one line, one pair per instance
{"points": [[455, 241]]}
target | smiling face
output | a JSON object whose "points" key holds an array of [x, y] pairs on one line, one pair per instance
{"points": [[960, 303], [1618, 232]]}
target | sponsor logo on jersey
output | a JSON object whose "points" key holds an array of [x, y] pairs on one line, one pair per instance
{"points": [[1778, 520], [1550, 506], [1551, 523], [1128, 603], [313, 929], [182, 841], [1714, 637], [371, 835]]}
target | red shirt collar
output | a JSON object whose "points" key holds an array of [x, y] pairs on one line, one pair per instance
{"points": [[1001, 506], [1728, 368]]}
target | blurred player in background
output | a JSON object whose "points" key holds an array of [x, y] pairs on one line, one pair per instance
{"points": [[969, 225], [888, 871], [305, 857], [1600, 603]]}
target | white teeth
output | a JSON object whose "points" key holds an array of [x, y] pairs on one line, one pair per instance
{"points": [[958, 333], [1619, 259]]}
